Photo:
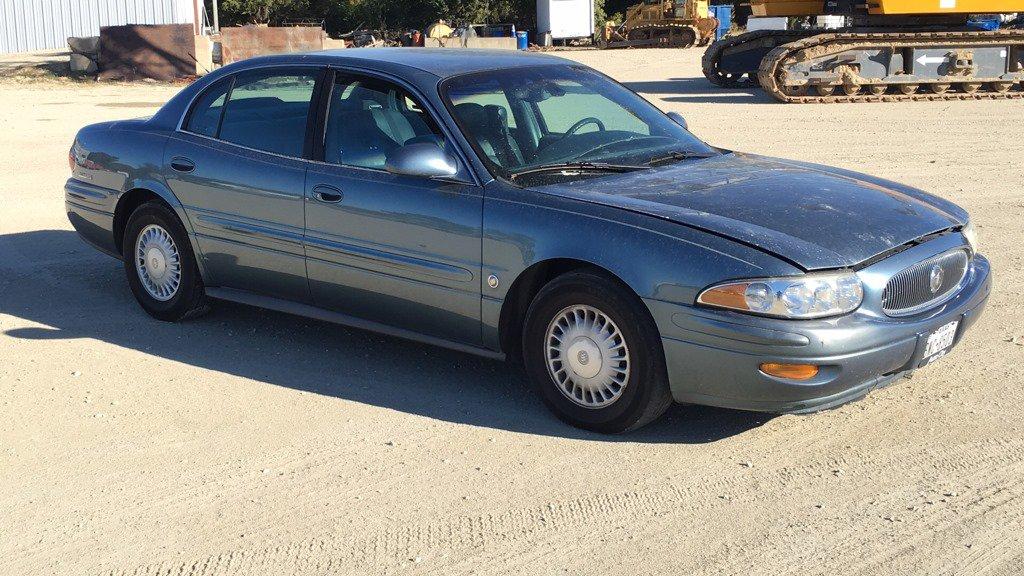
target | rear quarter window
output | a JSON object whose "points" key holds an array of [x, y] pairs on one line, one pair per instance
{"points": [[206, 112]]}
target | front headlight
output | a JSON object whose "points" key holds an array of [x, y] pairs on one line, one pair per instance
{"points": [[971, 235], [809, 296]]}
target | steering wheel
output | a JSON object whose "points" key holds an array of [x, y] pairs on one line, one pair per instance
{"points": [[572, 130], [591, 120]]}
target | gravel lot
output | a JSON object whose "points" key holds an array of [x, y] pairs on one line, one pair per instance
{"points": [[249, 442]]}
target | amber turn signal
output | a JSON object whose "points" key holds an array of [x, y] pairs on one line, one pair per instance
{"points": [[790, 371]]}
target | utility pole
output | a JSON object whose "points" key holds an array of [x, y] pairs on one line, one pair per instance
{"points": [[216, 18]]}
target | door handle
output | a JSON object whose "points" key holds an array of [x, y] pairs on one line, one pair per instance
{"points": [[327, 194], [181, 164]]}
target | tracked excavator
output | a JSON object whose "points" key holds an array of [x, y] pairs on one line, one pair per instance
{"points": [[890, 50], [663, 24]]}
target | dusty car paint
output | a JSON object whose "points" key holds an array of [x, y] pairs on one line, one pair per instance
{"points": [[667, 233], [797, 210]]}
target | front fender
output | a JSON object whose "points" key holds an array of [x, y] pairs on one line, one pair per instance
{"points": [[659, 260]]}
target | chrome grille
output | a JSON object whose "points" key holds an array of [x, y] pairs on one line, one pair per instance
{"points": [[925, 284]]}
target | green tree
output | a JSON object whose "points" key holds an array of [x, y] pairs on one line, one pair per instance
{"points": [[600, 16], [262, 11], [390, 15]]}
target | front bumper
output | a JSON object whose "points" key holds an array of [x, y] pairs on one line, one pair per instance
{"points": [[713, 356]]}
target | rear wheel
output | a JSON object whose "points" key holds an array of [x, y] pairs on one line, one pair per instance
{"points": [[160, 265], [593, 353]]}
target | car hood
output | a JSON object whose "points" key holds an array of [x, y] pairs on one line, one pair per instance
{"points": [[814, 216]]}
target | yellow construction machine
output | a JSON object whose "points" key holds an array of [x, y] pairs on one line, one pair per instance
{"points": [[889, 50], [662, 24]]}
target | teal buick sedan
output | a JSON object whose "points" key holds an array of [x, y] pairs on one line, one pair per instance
{"points": [[526, 207]]}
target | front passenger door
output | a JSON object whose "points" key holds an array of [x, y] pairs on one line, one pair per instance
{"points": [[399, 250]]}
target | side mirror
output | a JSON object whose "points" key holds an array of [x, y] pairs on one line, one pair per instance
{"points": [[678, 119], [423, 159]]}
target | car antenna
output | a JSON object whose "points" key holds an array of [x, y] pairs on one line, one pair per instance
{"points": [[198, 63]]}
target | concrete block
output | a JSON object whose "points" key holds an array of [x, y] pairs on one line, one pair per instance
{"points": [[88, 45], [82, 64], [332, 44], [452, 42], [486, 43], [204, 55], [505, 43]]}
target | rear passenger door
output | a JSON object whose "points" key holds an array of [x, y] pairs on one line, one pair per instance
{"points": [[399, 250], [237, 166]]}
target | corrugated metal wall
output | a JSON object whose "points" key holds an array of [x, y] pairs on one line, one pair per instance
{"points": [[27, 25]]}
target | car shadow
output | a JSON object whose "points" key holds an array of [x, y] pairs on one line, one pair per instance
{"points": [[698, 90], [53, 279]]}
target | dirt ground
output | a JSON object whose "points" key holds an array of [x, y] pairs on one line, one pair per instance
{"points": [[249, 442]]}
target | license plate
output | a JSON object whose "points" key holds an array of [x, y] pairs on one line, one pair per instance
{"points": [[939, 342]]}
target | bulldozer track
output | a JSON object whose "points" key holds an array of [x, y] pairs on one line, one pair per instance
{"points": [[712, 56], [772, 66], [694, 33]]}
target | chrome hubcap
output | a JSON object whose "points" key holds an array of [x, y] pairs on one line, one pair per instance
{"points": [[587, 356], [158, 263]]}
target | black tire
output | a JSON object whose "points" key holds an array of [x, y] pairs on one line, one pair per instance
{"points": [[189, 299], [646, 394]]}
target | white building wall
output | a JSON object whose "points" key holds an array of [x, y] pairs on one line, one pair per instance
{"points": [[27, 25]]}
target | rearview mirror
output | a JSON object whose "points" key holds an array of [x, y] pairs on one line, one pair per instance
{"points": [[423, 159], [678, 119]]}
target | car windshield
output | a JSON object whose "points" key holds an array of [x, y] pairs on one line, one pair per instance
{"points": [[563, 121]]}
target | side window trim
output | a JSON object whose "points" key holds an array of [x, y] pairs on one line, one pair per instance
{"points": [[224, 108], [318, 134], [330, 81], [312, 121]]}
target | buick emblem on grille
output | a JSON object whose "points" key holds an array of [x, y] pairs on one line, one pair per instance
{"points": [[935, 278]]}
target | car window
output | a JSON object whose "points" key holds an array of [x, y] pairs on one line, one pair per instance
{"points": [[268, 111], [370, 118], [485, 94], [484, 107], [579, 102], [206, 112], [581, 116]]}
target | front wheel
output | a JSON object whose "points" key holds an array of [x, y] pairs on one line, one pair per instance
{"points": [[593, 353], [160, 264]]}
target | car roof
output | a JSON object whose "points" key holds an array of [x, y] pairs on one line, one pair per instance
{"points": [[422, 67], [440, 62]]}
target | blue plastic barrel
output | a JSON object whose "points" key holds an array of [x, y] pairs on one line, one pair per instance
{"points": [[724, 15], [522, 40]]}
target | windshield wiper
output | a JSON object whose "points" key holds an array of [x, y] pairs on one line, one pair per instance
{"points": [[676, 156], [578, 166]]}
